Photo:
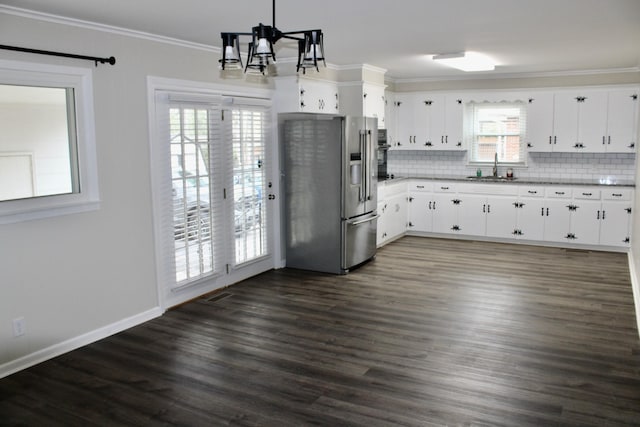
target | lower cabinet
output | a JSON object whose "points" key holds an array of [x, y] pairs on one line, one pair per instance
{"points": [[392, 208], [615, 223], [570, 215]]}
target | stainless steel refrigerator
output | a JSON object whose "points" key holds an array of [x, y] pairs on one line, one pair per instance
{"points": [[330, 178]]}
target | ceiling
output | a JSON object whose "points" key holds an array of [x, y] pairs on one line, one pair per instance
{"points": [[523, 36]]}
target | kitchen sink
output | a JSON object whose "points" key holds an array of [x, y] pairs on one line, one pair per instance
{"points": [[490, 178]]}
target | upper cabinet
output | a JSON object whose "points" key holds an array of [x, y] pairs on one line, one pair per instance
{"points": [[444, 122], [294, 94], [428, 122], [588, 121], [364, 99]]}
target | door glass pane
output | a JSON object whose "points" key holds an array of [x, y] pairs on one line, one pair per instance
{"points": [[191, 192], [249, 210]]}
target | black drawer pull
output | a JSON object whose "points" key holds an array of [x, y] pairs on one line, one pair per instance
{"points": [[420, 186], [616, 195], [560, 193], [532, 192], [444, 188], [587, 194]]}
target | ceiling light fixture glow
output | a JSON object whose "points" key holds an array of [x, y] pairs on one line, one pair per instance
{"points": [[466, 61]]}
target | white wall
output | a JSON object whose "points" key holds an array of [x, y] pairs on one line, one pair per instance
{"points": [[39, 129], [73, 275]]}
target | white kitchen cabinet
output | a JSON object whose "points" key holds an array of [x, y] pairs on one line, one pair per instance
{"points": [[411, 122], [390, 116], [444, 116], [557, 220], [392, 208], [420, 212], [421, 206], [501, 216], [615, 223], [374, 102], [487, 210], [552, 122], [295, 94], [530, 213], [444, 214], [396, 220], [381, 226], [622, 121], [472, 216], [364, 99], [588, 121]]}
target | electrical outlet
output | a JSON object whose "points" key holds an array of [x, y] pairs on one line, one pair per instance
{"points": [[18, 327]]}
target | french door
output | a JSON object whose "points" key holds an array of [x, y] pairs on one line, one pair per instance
{"points": [[214, 213]]}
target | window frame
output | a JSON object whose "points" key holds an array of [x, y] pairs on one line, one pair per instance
{"points": [[472, 135], [87, 198]]}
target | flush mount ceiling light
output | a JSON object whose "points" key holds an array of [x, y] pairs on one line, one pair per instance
{"points": [[260, 48], [466, 61]]}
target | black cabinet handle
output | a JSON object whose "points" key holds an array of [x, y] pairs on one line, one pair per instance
{"points": [[532, 192]]}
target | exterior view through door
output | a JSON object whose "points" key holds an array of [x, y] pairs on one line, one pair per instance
{"points": [[218, 213]]}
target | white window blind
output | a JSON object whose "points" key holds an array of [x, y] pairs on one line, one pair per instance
{"points": [[497, 127]]}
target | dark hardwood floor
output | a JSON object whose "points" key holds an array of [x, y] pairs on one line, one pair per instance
{"points": [[433, 332]]}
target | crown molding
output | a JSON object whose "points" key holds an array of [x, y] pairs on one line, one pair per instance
{"points": [[57, 19], [497, 76]]}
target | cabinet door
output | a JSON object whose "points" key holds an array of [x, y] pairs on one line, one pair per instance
{"points": [[374, 103], [420, 209], [565, 122], [585, 222], [472, 214], [318, 97], [445, 213], [557, 220], [390, 115], [592, 123], [405, 121], [454, 123], [501, 216], [381, 236], [540, 122], [397, 216], [622, 119], [434, 119], [531, 218], [614, 223]]}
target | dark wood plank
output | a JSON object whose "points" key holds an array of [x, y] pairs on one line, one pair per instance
{"points": [[433, 332]]}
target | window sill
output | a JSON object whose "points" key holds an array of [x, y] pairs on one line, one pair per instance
{"points": [[49, 210]]}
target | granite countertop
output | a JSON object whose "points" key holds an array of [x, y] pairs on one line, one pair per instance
{"points": [[609, 181]]}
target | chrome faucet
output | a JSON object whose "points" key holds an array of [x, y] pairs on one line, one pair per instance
{"points": [[495, 165]]}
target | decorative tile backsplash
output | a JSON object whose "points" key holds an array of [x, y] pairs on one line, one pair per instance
{"points": [[578, 166]]}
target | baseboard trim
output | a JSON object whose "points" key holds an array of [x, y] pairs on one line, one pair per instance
{"points": [[635, 286], [77, 342]]}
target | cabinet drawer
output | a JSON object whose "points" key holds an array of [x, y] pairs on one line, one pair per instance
{"points": [[531, 191], [559, 192], [444, 187], [420, 186], [617, 194], [489, 189], [586, 194]]}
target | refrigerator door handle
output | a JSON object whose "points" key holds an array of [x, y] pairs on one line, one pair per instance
{"points": [[362, 221], [368, 154], [363, 157]]}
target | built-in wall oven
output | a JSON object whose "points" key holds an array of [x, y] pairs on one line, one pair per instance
{"points": [[383, 148]]}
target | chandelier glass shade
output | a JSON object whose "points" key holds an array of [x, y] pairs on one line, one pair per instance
{"points": [[260, 50]]}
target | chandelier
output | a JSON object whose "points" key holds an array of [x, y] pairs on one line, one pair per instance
{"points": [[260, 48]]}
